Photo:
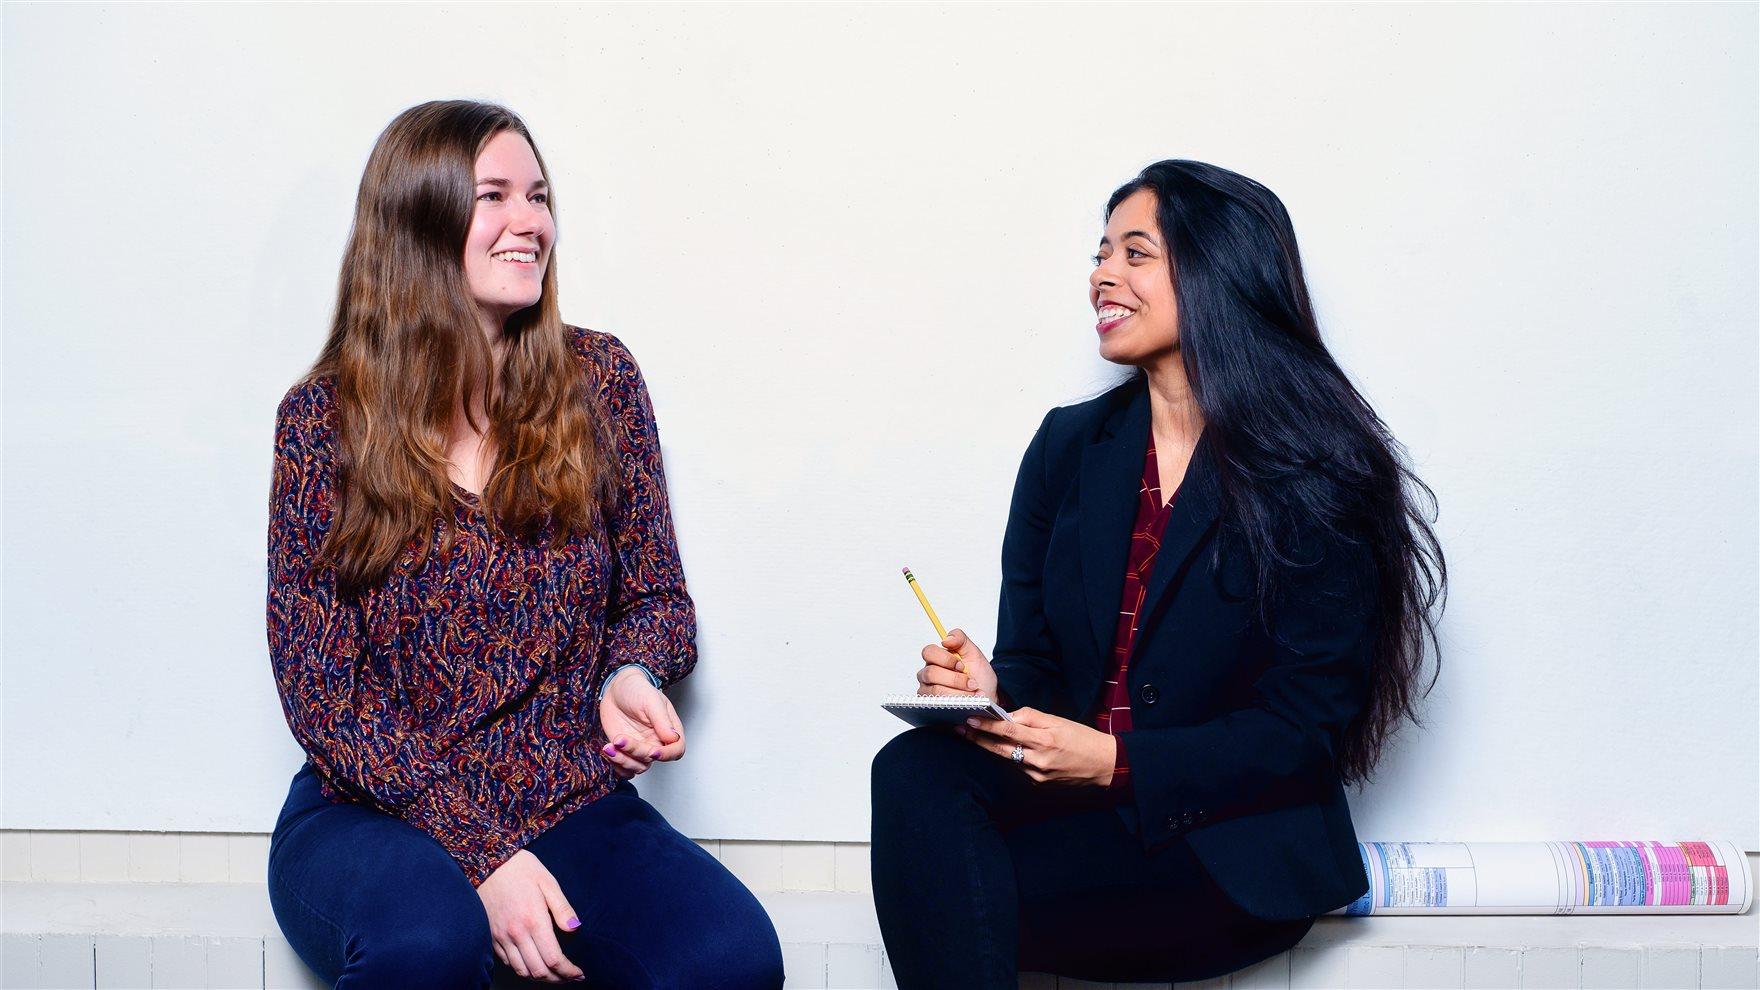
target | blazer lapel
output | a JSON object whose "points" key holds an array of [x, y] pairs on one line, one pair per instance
{"points": [[1112, 471], [1195, 512]]}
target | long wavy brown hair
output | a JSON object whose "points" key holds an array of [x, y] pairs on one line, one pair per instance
{"points": [[406, 348]]}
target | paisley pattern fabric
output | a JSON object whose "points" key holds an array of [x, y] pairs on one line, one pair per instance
{"points": [[458, 695]]}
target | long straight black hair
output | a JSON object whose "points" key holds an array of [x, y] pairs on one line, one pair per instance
{"points": [[1295, 443]]}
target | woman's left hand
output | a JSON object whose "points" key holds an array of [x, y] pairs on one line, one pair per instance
{"points": [[1053, 750], [640, 724]]}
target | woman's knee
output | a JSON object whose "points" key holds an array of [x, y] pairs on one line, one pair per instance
{"points": [[750, 959], [903, 759], [449, 954], [368, 901], [740, 952], [918, 766]]}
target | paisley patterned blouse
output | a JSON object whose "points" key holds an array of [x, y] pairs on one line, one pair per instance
{"points": [[459, 696]]}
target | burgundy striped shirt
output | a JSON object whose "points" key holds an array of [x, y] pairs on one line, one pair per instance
{"points": [[1114, 716]]}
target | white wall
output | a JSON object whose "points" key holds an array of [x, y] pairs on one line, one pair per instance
{"points": [[849, 247]]}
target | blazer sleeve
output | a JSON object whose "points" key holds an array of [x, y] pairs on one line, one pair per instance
{"points": [[1279, 751], [1026, 660], [651, 620], [341, 705]]}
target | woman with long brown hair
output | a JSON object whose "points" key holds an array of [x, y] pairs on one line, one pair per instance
{"points": [[475, 601]]}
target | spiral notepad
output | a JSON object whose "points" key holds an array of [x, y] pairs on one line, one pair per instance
{"points": [[942, 709]]}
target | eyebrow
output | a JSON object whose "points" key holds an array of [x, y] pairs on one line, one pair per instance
{"points": [[540, 184], [1145, 235]]}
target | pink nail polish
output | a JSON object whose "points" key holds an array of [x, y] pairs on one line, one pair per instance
{"points": [[573, 923]]}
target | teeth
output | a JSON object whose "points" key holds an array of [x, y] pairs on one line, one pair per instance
{"points": [[526, 256], [1112, 312]]}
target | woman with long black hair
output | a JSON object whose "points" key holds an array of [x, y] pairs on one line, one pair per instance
{"points": [[1218, 583]]}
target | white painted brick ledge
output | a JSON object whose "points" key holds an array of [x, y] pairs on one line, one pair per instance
{"points": [[113, 909]]}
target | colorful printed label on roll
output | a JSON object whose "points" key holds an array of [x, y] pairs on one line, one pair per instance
{"points": [[1552, 878]]}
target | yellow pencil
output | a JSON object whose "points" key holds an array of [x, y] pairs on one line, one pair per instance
{"points": [[923, 599]]}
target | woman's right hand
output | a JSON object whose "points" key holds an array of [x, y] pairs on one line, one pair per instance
{"points": [[956, 666], [525, 907]]}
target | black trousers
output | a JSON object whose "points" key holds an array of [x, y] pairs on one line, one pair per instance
{"points": [[979, 873]]}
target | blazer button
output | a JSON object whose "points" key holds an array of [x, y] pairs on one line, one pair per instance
{"points": [[1149, 694]]}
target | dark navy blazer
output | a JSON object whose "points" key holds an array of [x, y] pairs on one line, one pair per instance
{"points": [[1234, 726]]}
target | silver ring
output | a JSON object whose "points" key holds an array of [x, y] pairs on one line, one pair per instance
{"points": [[1017, 755]]}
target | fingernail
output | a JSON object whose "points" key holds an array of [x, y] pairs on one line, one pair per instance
{"points": [[610, 750], [971, 685], [621, 742], [960, 729], [972, 722], [655, 755], [573, 923]]}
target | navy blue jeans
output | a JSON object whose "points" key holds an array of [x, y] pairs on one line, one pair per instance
{"points": [[367, 900], [980, 873]]}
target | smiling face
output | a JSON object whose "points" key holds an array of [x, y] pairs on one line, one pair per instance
{"points": [[1131, 287], [512, 232]]}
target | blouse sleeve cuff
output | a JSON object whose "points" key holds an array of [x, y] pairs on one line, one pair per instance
{"points": [[606, 683]]}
